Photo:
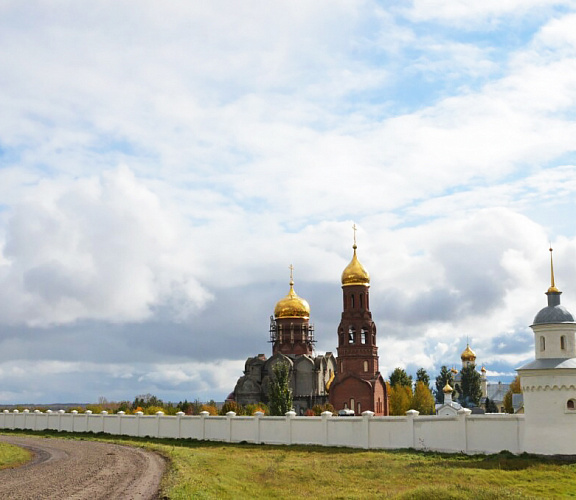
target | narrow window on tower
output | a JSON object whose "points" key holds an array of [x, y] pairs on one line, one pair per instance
{"points": [[363, 336], [563, 342], [352, 404], [361, 297], [542, 344], [359, 409], [351, 335], [365, 366], [352, 300]]}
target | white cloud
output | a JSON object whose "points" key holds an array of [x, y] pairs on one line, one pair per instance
{"points": [[471, 15], [99, 248]]}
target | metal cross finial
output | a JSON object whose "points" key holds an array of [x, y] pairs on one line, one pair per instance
{"points": [[291, 267], [355, 229]]}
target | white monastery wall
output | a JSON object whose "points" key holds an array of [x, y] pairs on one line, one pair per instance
{"points": [[462, 433]]}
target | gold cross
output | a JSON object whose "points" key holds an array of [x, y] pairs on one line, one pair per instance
{"points": [[291, 267], [354, 228]]}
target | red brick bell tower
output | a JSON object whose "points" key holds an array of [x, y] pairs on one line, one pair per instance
{"points": [[358, 386]]}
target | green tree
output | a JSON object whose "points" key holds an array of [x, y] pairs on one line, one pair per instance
{"points": [[423, 400], [400, 399], [400, 377], [471, 386], [280, 394], [422, 376], [445, 377], [491, 406]]}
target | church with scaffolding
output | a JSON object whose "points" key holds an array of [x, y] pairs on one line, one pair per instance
{"points": [[292, 339]]}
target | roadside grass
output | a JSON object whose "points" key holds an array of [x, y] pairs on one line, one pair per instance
{"points": [[210, 470], [13, 456]]}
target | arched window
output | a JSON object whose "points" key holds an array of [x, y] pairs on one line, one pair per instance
{"points": [[352, 300], [570, 404], [352, 404], [363, 336], [563, 342], [542, 344], [365, 366], [361, 297], [351, 335], [359, 409]]}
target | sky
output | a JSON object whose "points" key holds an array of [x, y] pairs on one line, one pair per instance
{"points": [[162, 164]]}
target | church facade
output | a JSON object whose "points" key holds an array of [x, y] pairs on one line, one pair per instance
{"points": [[549, 382], [292, 338], [358, 385], [351, 382]]}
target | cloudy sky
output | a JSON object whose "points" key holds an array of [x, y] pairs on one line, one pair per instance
{"points": [[163, 163]]}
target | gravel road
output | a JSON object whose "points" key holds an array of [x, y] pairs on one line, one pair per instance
{"points": [[71, 469]]}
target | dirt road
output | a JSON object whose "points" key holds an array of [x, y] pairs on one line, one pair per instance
{"points": [[70, 469]]}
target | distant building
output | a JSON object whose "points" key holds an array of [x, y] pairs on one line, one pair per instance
{"points": [[496, 393], [358, 386], [549, 382], [292, 338], [468, 358], [449, 408]]}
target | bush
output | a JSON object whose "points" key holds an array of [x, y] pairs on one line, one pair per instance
{"points": [[152, 410], [251, 409], [211, 409], [232, 406]]}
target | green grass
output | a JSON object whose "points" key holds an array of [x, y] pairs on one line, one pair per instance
{"points": [[215, 470], [13, 456]]}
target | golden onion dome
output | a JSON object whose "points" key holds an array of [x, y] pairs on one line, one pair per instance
{"points": [[483, 370], [355, 274], [447, 388], [292, 306], [468, 354], [454, 371]]}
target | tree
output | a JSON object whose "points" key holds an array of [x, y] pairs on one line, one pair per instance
{"points": [[423, 400], [422, 376], [231, 406], [211, 409], [471, 386], [515, 388], [280, 394], [400, 377], [445, 377], [400, 399], [491, 406]]}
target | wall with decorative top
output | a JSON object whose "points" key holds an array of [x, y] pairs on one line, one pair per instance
{"points": [[464, 433]]}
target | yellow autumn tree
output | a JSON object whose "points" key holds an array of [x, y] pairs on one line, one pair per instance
{"points": [[514, 389], [400, 399], [423, 400]]}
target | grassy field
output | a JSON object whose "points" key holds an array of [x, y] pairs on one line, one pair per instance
{"points": [[216, 470], [12, 456]]}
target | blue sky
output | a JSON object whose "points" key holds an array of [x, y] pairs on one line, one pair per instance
{"points": [[161, 166]]}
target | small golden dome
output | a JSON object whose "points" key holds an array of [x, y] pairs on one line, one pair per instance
{"points": [[292, 306], [355, 274], [468, 354], [447, 388], [483, 370], [454, 371]]}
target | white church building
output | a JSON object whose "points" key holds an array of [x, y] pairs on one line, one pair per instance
{"points": [[549, 382]]}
